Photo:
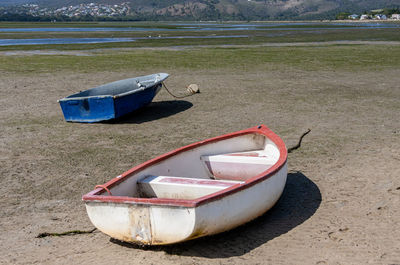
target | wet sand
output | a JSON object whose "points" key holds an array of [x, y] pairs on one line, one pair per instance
{"points": [[340, 204]]}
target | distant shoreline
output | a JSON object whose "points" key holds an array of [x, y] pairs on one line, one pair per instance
{"points": [[208, 21]]}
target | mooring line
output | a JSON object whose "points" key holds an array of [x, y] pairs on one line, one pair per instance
{"points": [[192, 92]]}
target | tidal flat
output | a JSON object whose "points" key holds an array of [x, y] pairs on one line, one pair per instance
{"points": [[340, 204]]}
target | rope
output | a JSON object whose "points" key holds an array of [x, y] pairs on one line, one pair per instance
{"points": [[291, 149], [169, 92], [104, 187], [68, 233]]}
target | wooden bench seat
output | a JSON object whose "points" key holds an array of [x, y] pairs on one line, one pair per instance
{"points": [[180, 188], [238, 166]]}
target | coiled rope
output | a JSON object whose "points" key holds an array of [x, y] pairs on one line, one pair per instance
{"points": [[192, 89]]}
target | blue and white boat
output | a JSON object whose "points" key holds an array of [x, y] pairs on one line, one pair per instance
{"points": [[112, 100]]}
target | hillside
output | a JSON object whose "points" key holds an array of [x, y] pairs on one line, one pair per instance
{"points": [[230, 9], [15, 2]]}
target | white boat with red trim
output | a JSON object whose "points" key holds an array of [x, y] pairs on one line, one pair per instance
{"points": [[201, 189]]}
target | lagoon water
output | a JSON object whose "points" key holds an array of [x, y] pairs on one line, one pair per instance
{"points": [[48, 41], [213, 27], [178, 27], [11, 42], [83, 29]]}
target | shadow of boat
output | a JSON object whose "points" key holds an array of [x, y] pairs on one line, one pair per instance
{"points": [[154, 111], [300, 200]]}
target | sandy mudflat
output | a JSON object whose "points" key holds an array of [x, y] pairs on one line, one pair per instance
{"points": [[341, 204]]}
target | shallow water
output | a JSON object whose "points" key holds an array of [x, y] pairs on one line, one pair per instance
{"points": [[48, 41], [57, 29], [191, 27], [11, 42], [215, 27]]}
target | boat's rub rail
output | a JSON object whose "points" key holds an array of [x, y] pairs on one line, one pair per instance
{"points": [[81, 98], [106, 96], [156, 80], [141, 88]]}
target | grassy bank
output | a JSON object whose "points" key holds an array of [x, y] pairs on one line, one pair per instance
{"points": [[329, 57]]}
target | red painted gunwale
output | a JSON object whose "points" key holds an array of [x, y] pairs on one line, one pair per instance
{"points": [[262, 129]]}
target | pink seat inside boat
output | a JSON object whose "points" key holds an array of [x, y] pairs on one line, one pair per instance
{"points": [[180, 188]]}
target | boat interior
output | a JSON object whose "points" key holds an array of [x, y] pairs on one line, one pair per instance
{"points": [[203, 170], [121, 87]]}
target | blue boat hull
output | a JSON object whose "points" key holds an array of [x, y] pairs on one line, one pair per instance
{"points": [[129, 103], [104, 103]]}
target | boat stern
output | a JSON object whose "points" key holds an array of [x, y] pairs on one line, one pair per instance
{"points": [[89, 109]]}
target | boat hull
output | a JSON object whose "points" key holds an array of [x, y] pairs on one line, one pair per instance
{"points": [[146, 224], [112, 100], [117, 209]]}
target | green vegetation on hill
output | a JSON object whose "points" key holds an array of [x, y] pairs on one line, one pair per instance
{"points": [[385, 11], [206, 10]]}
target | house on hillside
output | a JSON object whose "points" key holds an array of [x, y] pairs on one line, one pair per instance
{"points": [[395, 16], [364, 17], [354, 16], [380, 17]]}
